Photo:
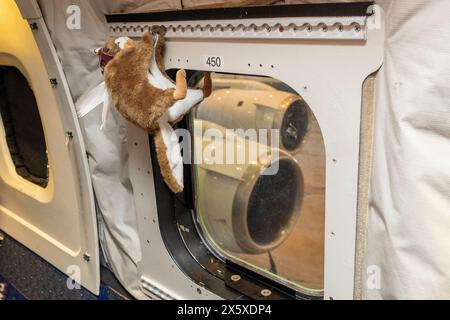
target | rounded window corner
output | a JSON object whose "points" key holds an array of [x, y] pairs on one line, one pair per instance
{"points": [[22, 126]]}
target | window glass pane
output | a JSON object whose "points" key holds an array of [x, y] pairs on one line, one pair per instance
{"points": [[23, 128], [260, 179]]}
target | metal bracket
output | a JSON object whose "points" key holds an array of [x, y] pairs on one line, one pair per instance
{"points": [[336, 28], [310, 21]]}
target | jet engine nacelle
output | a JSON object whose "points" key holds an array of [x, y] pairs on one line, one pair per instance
{"points": [[259, 109], [248, 208]]}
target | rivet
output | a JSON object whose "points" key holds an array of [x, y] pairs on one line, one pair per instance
{"points": [[266, 293], [87, 257], [235, 278], [69, 138], [54, 82], [357, 26]]}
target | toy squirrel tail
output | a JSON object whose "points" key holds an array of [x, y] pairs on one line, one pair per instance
{"points": [[207, 85], [164, 164]]}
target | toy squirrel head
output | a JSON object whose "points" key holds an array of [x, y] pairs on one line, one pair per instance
{"points": [[113, 46], [109, 51]]}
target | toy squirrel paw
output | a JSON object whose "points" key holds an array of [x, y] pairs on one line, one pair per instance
{"points": [[207, 85], [181, 89]]}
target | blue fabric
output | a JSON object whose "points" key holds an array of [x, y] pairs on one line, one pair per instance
{"points": [[8, 292]]}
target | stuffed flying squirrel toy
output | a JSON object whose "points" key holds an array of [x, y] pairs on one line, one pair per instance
{"points": [[142, 92]]}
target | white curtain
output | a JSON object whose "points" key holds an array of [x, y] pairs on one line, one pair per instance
{"points": [[409, 227]]}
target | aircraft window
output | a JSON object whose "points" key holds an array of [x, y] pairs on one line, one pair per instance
{"points": [[23, 127], [259, 176]]}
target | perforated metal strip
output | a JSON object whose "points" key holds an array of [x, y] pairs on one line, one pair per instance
{"points": [[331, 28]]}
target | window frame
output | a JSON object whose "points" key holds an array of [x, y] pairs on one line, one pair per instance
{"points": [[339, 63]]}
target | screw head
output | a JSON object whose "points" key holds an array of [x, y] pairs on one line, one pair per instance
{"points": [[235, 278], [54, 82], [87, 257], [266, 293]]}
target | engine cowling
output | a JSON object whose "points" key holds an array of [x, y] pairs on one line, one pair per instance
{"points": [[248, 208], [259, 109]]}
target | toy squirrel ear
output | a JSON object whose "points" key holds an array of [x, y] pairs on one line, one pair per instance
{"points": [[120, 42], [148, 37], [129, 44]]}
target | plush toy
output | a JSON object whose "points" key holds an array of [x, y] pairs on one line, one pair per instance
{"points": [[142, 92]]}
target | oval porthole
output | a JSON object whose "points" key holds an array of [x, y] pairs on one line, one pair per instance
{"points": [[23, 127], [271, 223]]}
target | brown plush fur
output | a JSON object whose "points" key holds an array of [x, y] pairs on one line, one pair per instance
{"points": [[111, 47], [126, 78], [161, 149], [137, 100], [207, 85], [207, 82]]}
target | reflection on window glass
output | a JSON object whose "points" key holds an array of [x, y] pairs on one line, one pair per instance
{"points": [[260, 179]]}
